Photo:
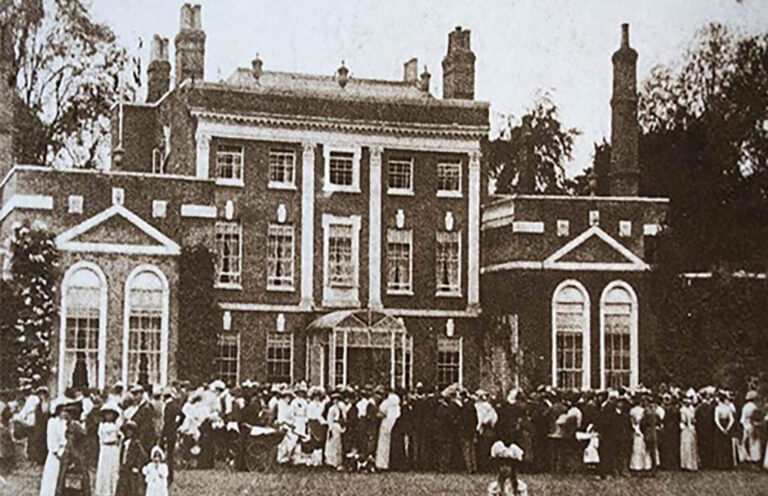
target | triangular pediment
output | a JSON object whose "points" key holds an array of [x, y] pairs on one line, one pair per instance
{"points": [[117, 230], [594, 249]]}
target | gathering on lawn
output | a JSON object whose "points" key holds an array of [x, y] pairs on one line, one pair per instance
{"points": [[132, 440]]}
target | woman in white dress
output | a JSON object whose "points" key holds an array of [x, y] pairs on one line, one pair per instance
{"points": [[334, 420], [640, 459], [389, 410], [108, 466], [56, 441], [689, 454], [751, 443]]}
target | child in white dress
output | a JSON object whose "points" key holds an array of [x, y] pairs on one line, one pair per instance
{"points": [[156, 473]]}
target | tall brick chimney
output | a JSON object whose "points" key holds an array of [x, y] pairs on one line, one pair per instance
{"points": [[190, 45], [623, 175], [159, 70], [7, 102], [459, 66]]}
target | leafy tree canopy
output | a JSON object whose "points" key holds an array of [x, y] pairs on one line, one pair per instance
{"points": [[529, 155]]}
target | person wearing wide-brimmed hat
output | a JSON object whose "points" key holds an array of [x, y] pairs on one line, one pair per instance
{"points": [[56, 438], [108, 465], [705, 427], [73, 463], [132, 460]]}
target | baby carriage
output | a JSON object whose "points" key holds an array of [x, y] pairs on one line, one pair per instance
{"points": [[261, 448]]}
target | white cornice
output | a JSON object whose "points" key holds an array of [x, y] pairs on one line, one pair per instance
{"points": [[398, 312], [31, 202], [447, 137]]}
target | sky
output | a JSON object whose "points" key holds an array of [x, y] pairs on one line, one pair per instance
{"points": [[522, 47]]}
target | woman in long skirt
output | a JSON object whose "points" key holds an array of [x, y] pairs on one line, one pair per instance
{"points": [[56, 437], [334, 421], [725, 418], [689, 454], [389, 410], [640, 459], [108, 466]]}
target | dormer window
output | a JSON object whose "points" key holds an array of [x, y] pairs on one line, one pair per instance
{"points": [[229, 164]]}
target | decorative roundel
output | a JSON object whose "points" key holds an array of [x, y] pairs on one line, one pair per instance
{"points": [[229, 210], [400, 218], [449, 221], [282, 213]]}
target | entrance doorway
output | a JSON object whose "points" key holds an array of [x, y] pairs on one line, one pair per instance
{"points": [[359, 348]]}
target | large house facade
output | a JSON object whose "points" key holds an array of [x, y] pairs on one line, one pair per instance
{"points": [[344, 215]]}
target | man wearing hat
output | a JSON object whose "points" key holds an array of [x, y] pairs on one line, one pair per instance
{"points": [[171, 421], [144, 418], [132, 459]]}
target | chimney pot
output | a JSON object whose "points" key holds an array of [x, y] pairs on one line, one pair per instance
{"points": [[159, 49], [625, 34], [342, 74], [256, 67], [190, 45], [158, 70], [425, 79]]}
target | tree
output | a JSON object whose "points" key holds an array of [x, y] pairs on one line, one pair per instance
{"points": [[64, 69], [705, 146], [593, 179], [198, 315], [529, 155], [34, 272]]}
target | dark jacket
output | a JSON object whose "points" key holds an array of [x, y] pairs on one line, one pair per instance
{"points": [[132, 458]]}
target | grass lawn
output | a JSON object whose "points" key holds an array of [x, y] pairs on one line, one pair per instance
{"points": [[221, 483]]}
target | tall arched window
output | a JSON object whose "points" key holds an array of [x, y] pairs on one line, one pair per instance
{"points": [[145, 340], [618, 336], [570, 336], [83, 327]]}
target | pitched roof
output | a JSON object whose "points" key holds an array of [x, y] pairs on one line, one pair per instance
{"points": [[326, 86]]}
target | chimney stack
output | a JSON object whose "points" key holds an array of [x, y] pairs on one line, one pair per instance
{"points": [[424, 80], [411, 71], [623, 175], [7, 104], [158, 70], [190, 45], [459, 66]]}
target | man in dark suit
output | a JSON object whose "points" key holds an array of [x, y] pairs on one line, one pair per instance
{"points": [[172, 418], [609, 427], [144, 418], [132, 458]]}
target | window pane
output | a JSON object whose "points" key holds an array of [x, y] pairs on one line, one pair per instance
{"points": [[399, 174], [228, 246], [279, 351], [569, 321], [229, 162], [282, 166], [341, 168], [449, 177], [280, 248], [399, 259], [340, 267], [447, 262], [145, 328]]}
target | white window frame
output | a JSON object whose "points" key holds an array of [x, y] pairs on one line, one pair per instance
{"points": [[634, 357], [272, 281], [230, 181], [282, 338], [585, 339], [219, 343], [449, 292], [163, 320], [239, 273], [400, 191], [341, 188], [158, 161], [289, 185], [336, 296], [102, 351], [446, 193], [460, 341], [406, 289]]}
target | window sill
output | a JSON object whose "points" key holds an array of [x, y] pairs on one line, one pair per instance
{"points": [[334, 188], [280, 289], [449, 194], [400, 292], [341, 303], [399, 192], [238, 183], [281, 186], [448, 294], [228, 285]]}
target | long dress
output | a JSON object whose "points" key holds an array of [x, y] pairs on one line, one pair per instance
{"points": [[390, 410], [56, 440], [333, 449], [156, 477], [751, 445], [723, 447], [689, 453], [640, 459], [108, 466]]}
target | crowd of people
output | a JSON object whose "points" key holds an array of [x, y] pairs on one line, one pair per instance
{"points": [[133, 439]]}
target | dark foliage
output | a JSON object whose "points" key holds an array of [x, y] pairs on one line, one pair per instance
{"points": [[198, 316]]}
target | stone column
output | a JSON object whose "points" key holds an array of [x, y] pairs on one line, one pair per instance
{"points": [[374, 230], [473, 234], [307, 223]]}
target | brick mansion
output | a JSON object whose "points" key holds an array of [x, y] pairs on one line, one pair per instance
{"points": [[354, 235]]}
